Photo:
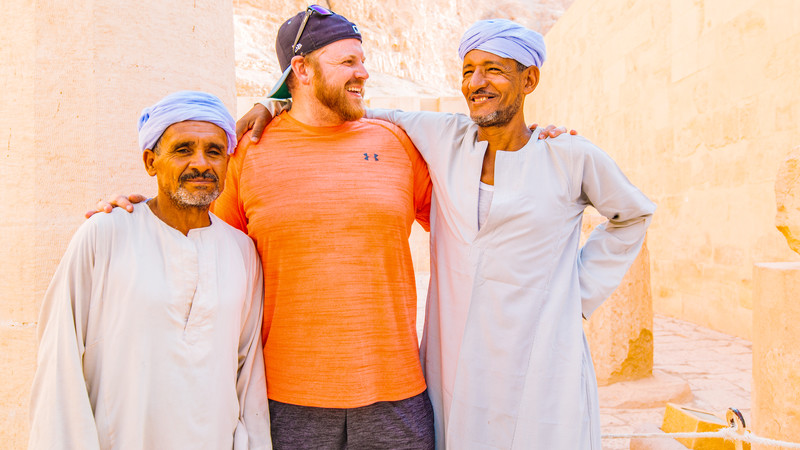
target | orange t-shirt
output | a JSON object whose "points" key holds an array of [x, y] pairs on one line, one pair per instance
{"points": [[330, 210]]}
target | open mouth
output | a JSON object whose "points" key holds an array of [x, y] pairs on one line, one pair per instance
{"points": [[357, 91], [481, 97]]}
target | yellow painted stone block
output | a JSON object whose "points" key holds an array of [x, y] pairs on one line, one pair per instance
{"points": [[680, 419]]}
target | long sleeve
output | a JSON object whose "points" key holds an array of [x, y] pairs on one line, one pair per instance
{"points": [[61, 413], [613, 246], [253, 429]]}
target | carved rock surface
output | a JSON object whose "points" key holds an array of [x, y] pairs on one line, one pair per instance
{"points": [[787, 198]]}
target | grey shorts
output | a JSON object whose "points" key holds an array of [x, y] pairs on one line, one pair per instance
{"points": [[398, 425]]}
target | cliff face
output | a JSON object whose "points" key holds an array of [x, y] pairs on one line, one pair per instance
{"points": [[411, 45]]}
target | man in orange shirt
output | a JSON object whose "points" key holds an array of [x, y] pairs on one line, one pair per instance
{"points": [[329, 199]]}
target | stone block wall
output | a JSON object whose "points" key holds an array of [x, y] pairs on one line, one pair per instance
{"points": [[698, 102], [75, 76]]}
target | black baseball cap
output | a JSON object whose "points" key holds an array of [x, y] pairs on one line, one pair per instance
{"points": [[322, 27]]}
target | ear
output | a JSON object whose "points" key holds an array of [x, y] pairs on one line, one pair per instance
{"points": [[148, 157], [302, 70], [531, 79]]}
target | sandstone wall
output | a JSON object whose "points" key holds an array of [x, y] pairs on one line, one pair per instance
{"points": [[698, 102], [75, 76]]}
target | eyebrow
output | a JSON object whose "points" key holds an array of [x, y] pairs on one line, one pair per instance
{"points": [[488, 64], [191, 143], [351, 56], [186, 143]]}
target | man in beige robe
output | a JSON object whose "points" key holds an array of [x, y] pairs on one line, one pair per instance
{"points": [[149, 334]]}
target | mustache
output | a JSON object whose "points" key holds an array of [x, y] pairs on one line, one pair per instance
{"points": [[195, 174], [481, 91]]}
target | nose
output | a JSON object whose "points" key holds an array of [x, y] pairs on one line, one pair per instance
{"points": [[200, 161], [361, 71], [477, 80]]}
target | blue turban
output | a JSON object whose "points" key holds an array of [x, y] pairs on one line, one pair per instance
{"points": [[506, 39], [182, 106]]}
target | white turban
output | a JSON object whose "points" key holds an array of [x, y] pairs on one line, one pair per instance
{"points": [[182, 106], [506, 39]]}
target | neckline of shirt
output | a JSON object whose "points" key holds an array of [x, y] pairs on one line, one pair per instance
{"points": [[319, 130], [194, 231]]}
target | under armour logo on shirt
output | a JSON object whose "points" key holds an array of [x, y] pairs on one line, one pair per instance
{"points": [[367, 155]]}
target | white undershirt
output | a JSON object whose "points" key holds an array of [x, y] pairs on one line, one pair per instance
{"points": [[485, 195]]}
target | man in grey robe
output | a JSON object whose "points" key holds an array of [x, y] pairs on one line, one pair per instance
{"points": [[505, 357], [149, 334]]}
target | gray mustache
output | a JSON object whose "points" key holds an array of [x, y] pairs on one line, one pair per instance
{"points": [[195, 174]]}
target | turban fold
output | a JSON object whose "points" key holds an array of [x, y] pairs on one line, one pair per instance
{"points": [[182, 106], [506, 39]]}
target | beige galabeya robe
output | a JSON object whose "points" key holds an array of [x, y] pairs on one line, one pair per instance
{"points": [[149, 339]]}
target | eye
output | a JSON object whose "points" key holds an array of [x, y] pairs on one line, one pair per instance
{"points": [[214, 152], [467, 72]]}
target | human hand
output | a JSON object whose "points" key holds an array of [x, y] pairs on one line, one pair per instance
{"points": [[552, 131], [114, 201], [256, 119]]}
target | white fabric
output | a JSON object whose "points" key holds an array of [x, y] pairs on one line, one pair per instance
{"points": [[151, 339], [485, 194], [504, 354]]}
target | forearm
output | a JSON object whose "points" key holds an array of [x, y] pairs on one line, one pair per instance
{"points": [[612, 247], [606, 256]]}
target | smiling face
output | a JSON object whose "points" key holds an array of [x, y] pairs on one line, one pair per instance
{"points": [[339, 77], [190, 161], [495, 87]]}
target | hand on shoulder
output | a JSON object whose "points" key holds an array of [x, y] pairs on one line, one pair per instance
{"points": [[114, 201], [551, 131]]}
